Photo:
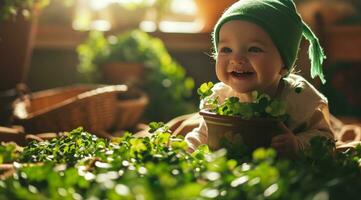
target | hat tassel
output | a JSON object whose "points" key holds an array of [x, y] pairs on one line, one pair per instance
{"points": [[315, 53]]}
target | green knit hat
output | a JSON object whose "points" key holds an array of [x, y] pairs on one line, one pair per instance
{"points": [[284, 25]]}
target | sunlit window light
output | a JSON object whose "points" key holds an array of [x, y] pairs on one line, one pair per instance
{"points": [[148, 2], [171, 26], [92, 15], [100, 25], [148, 26], [82, 20], [179, 27], [101, 4], [98, 4], [184, 7], [83, 24]]}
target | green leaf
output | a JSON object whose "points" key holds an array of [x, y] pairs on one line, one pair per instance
{"points": [[205, 90], [154, 126]]}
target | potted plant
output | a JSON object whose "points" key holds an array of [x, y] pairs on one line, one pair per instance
{"points": [[118, 58], [142, 61], [234, 123]]}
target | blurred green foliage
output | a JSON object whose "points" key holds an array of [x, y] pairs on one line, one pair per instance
{"points": [[165, 80]]}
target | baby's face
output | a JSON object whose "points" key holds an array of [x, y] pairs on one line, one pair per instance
{"points": [[247, 59]]}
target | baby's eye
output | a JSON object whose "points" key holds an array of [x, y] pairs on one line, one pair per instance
{"points": [[255, 49], [225, 50]]}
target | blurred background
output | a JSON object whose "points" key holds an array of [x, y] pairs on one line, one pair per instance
{"points": [[76, 41]]}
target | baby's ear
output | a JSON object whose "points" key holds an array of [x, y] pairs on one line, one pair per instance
{"points": [[284, 71]]}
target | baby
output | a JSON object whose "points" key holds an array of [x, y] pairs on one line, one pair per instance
{"points": [[256, 44]]}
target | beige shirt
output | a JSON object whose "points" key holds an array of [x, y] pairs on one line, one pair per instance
{"points": [[308, 111]]}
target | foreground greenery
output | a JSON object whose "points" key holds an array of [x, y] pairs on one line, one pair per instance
{"points": [[81, 166]]}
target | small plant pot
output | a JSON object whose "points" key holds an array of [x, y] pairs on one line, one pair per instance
{"points": [[123, 73], [234, 130]]}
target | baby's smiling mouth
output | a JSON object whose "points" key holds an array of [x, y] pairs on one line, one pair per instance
{"points": [[241, 73]]}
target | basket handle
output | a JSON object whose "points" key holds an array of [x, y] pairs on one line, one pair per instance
{"points": [[104, 89], [7, 99], [23, 91], [23, 94]]}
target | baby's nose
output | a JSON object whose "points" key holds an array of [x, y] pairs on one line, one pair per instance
{"points": [[238, 59]]}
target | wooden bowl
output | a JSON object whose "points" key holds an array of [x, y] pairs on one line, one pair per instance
{"points": [[253, 133]]}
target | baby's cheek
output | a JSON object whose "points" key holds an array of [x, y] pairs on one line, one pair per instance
{"points": [[219, 71]]}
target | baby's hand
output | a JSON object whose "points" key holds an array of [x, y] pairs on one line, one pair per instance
{"points": [[286, 144]]}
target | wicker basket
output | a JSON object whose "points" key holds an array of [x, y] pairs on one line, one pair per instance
{"points": [[10, 134], [63, 109], [130, 107]]}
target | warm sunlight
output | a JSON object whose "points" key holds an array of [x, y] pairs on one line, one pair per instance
{"points": [[164, 15], [180, 99]]}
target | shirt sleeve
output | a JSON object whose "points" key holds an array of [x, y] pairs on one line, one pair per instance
{"points": [[197, 136], [318, 125]]}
